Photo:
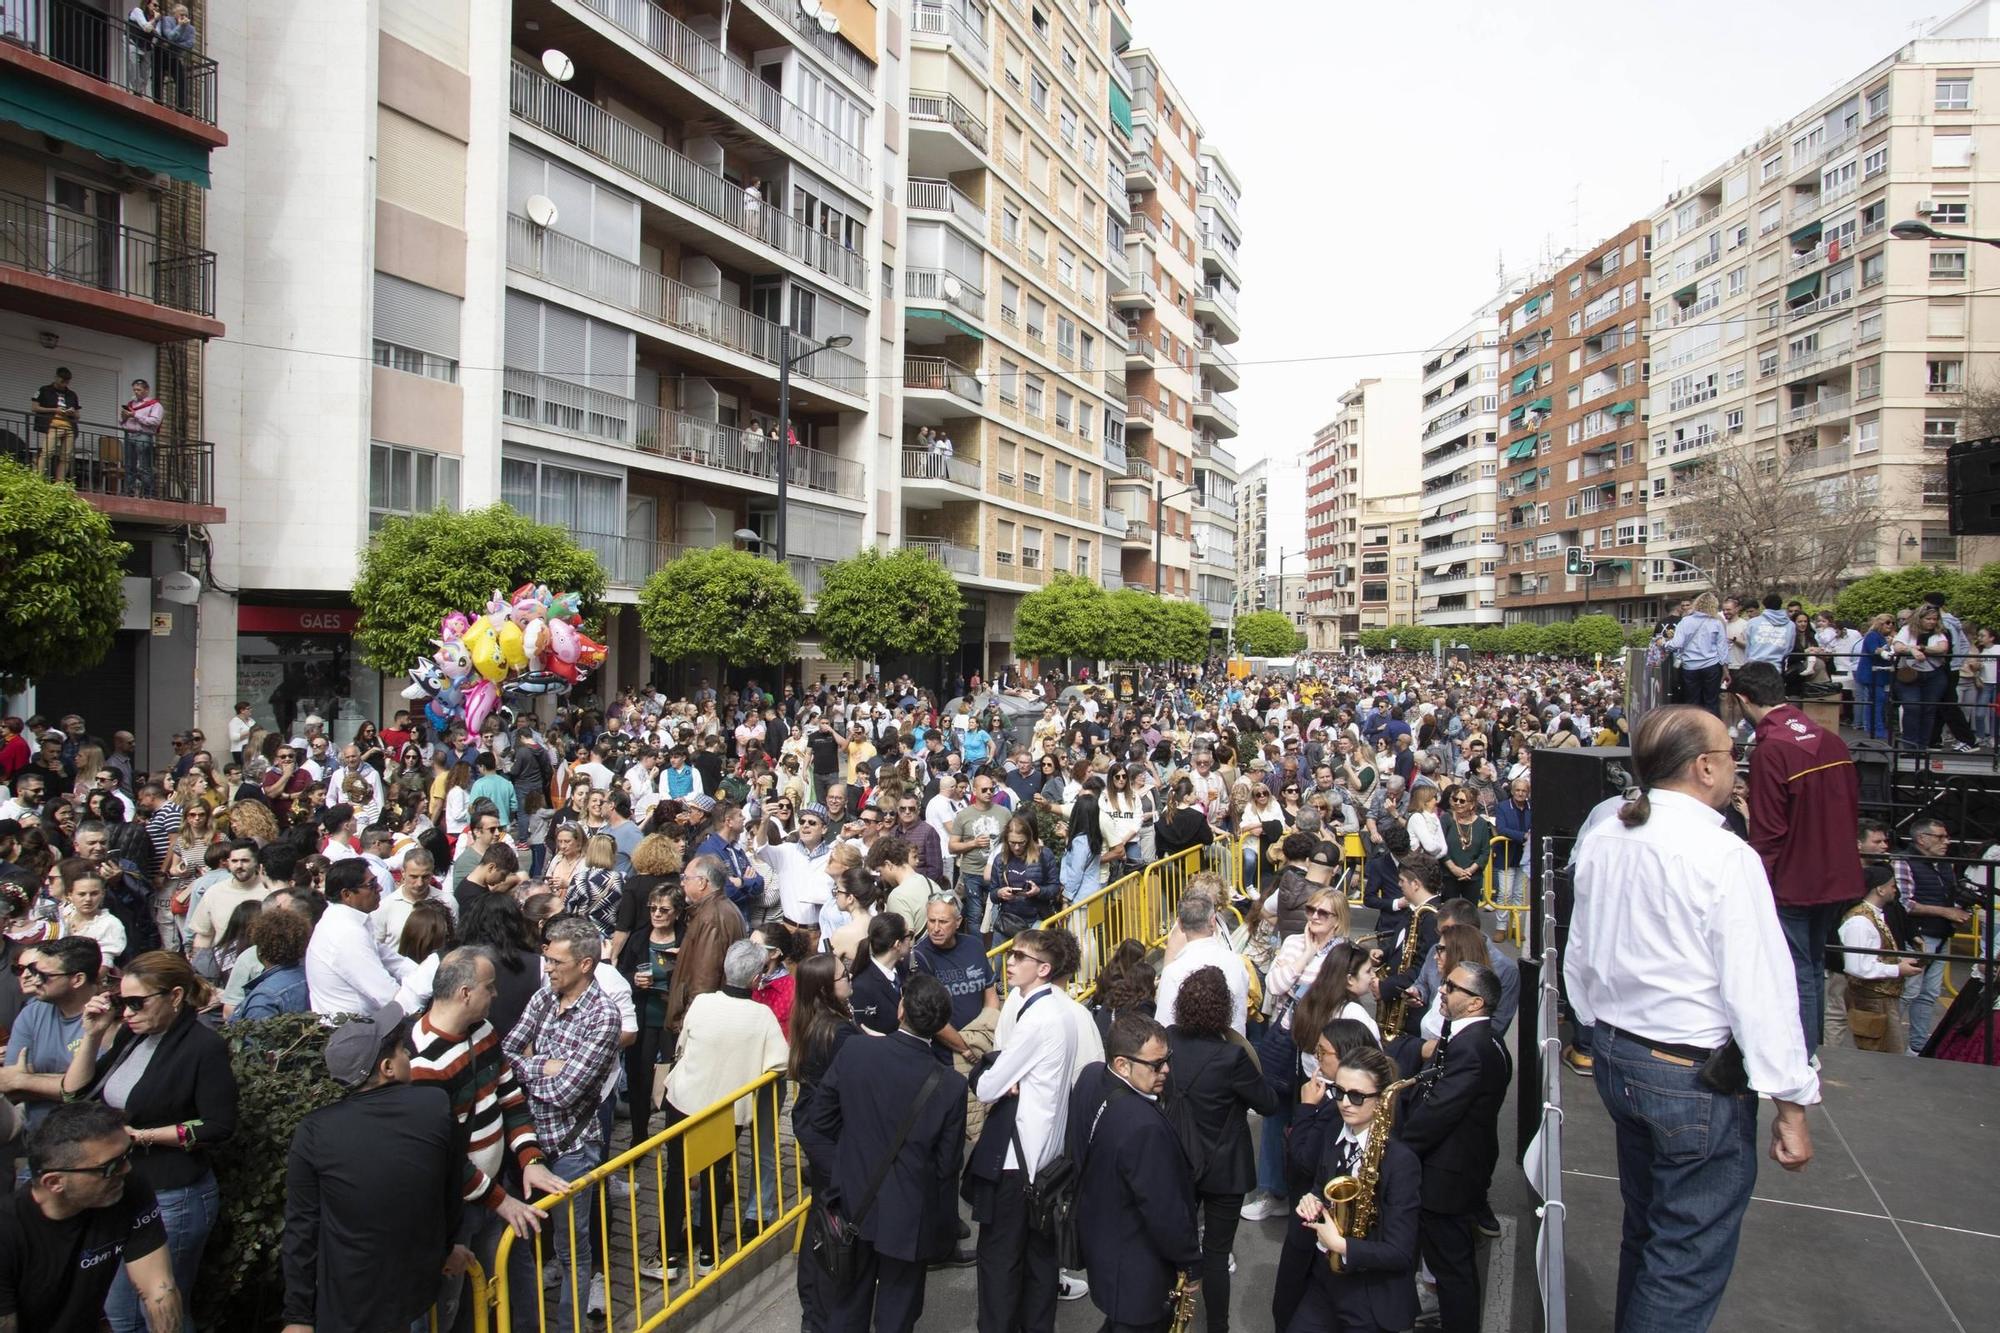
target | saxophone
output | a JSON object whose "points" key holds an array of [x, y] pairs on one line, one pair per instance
{"points": [[1395, 1012], [1183, 1298], [1350, 1200]]}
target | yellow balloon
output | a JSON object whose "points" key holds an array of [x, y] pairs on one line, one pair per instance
{"points": [[513, 649], [480, 641]]}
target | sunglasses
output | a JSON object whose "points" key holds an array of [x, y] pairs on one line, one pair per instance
{"points": [[1319, 911], [132, 1004], [103, 1170], [1023, 956], [29, 969], [1449, 985], [1352, 1096], [1156, 1066]]}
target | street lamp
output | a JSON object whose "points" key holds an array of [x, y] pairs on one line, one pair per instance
{"points": [[1914, 230], [786, 360], [1160, 527]]}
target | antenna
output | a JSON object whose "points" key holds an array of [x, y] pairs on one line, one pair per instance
{"points": [[541, 211]]}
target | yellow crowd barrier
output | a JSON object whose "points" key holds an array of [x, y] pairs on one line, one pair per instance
{"points": [[476, 1296], [1514, 915], [1139, 906], [691, 1188]]}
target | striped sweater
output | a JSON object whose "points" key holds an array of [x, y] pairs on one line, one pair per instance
{"points": [[486, 1100]]}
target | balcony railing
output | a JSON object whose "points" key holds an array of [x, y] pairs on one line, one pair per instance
{"points": [[1220, 351], [958, 559], [1820, 358], [584, 269], [935, 284], [948, 110], [1206, 446], [55, 243], [574, 409], [1224, 510], [1826, 405], [935, 372], [1138, 349], [1114, 456], [923, 465], [107, 461], [547, 105], [1222, 294], [701, 60], [1138, 532], [1139, 285], [1219, 405], [928, 195], [942, 20], [97, 43], [1139, 410], [829, 44]]}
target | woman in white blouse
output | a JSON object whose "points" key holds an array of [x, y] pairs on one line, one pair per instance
{"points": [[1426, 830]]}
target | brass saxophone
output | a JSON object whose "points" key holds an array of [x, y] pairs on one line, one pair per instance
{"points": [[1350, 1200], [1395, 1012], [1183, 1298]]}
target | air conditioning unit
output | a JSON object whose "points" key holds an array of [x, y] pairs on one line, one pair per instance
{"points": [[1926, 207]]}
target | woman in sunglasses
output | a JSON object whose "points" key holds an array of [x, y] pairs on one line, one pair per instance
{"points": [[1468, 843], [145, 1052]]}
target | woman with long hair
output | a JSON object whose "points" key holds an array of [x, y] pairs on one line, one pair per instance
{"points": [[369, 741], [594, 891], [457, 801], [429, 933], [822, 1023], [1126, 981], [647, 962], [145, 1051], [1183, 825], [1425, 829], [1025, 882], [1092, 840], [235, 937], [1346, 978], [496, 922]]}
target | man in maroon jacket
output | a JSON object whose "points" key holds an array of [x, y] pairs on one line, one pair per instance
{"points": [[1805, 801]]}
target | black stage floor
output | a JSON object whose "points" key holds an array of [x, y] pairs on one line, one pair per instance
{"points": [[1894, 1224]]}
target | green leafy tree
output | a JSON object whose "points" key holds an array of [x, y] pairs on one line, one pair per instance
{"points": [[1071, 617], [1183, 631], [60, 568], [416, 569], [1595, 634], [1132, 634], [727, 604], [1268, 634], [880, 604], [1971, 597]]}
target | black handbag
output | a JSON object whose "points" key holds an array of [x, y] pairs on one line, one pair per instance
{"points": [[1050, 1201], [834, 1241]]}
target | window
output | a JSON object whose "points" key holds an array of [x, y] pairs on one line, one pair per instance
{"points": [[1732, 420], [1739, 279], [1878, 102], [1869, 329], [1948, 265], [1951, 150], [1944, 376], [1872, 268], [1940, 431], [1010, 223], [1945, 319], [1034, 397], [1875, 163], [408, 481], [1947, 215], [1954, 93], [1770, 217], [1772, 168], [1733, 378], [1867, 436], [1767, 364], [416, 328], [590, 506], [1038, 91], [1041, 22], [1868, 380]]}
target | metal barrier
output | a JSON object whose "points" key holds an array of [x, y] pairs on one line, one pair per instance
{"points": [[1515, 914], [477, 1295], [1138, 906], [1544, 1156], [678, 1200]]}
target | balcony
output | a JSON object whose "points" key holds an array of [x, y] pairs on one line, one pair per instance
{"points": [[1135, 469], [1139, 353], [1218, 254], [1819, 360], [937, 286], [1217, 192], [693, 442], [97, 54], [837, 49], [1826, 405], [1140, 173], [601, 276], [931, 19], [1219, 608], [1208, 449], [1114, 183], [695, 56], [1216, 304], [936, 374], [1216, 508], [933, 108], [60, 265], [923, 465], [1139, 414], [1115, 520], [958, 559], [1220, 412], [1138, 535], [1139, 290], [1218, 365], [108, 467], [925, 195], [539, 101], [1114, 456]]}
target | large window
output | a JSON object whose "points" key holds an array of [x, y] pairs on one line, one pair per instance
{"points": [[409, 481], [416, 328], [590, 506]]}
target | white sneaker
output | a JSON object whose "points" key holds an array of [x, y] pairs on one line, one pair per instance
{"points": [[594, 1307], [1262, 1206], [1071, 1288], [620, 1187], [1232, 1261], [1427, 1298]]}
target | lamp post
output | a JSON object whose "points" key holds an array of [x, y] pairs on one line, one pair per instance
{"points": [[1914, 230], [1909, 541], [1160, 527], [786, 360]]}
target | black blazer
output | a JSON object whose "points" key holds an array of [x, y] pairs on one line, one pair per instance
{"points": [[877, 1000], [1136, 1201], [188, 1079], [856, 1107], [1379, 1277], [1217, 1081], [1454, 1123], [1395, 981]]}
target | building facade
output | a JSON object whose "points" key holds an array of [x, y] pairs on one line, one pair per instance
{"points": [[1387, 586], [1368, 450], [1572, 444], [1459, 460]]}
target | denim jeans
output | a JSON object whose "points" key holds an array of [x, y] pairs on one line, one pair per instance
{"points": [[189, 1215], [759, 1187], [975, 901], [561, 1234], [1687, 1162], [1981, 710], [1271, 1152], [1910, 712], [1806, 931], [1920, 993]]}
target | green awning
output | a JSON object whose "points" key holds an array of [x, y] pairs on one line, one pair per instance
{"points": [[1624, 409], [1527, 476], [1526, 379], [918, 312], [1799, 288], [1523, 449], [74, 119], [1806, 235], [1534, 306], [1514, 417], [1542, 405], [1121, 109], [1686, 295]]}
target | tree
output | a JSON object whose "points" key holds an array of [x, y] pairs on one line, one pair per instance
{"points": [[1596, 634], [1071, 617], [1131, 635], [1183, 631], [724, 603], [1268, 634], [881, 604], [1972, 597], [417, 569], [1757, 522], [60, 568]]}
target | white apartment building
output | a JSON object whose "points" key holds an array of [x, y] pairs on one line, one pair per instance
{"points": [[1459, 459], [1219, 208], [1368, 450], [1788, 318], [1253, 534]]}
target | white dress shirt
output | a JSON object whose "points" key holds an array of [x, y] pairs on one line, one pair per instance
{"points": [[801, 879], [1858, 932], [388, 920], [348, 971], [337, 777], [1207, 951], [1675, 937], [1039, 1053]]}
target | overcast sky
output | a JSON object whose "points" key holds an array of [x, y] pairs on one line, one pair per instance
{"points": [[1393, 157]]}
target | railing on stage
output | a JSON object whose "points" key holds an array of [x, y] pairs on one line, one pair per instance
{"points": [[1543, 1156]]}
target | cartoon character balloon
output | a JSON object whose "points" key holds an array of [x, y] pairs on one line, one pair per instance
{"points": [[524, 644]]}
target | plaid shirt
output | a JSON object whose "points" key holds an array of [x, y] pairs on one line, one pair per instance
{"points": [[585, 1038]]}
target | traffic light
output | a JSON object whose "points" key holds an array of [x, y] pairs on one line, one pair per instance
{"points": [[1573, 561]]}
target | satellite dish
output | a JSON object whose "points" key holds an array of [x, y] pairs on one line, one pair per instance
{"points": [[811, 8], [182, 587], [829, 22], [952, 289], [541, 211], [558, 66]]}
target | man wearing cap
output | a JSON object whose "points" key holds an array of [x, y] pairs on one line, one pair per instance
{"points": [[798, 869], [350, 1263]]}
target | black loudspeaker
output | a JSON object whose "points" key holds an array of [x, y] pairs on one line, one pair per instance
{"points": [[1874, 766], [1567, 784], [1972, 469]]}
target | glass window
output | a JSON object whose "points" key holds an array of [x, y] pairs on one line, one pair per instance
{"points": [[1954, 93], [409, 481]]}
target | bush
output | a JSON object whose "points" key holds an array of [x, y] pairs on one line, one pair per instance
{"points": [[1974, 598], [1071, 617], [1268, 634], [723, 603], [881, 604], [60, 572]]}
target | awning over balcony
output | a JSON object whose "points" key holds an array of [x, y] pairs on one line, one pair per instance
{"points": [[65, 115], [1686, 295], [1533, 307], [1798, 289], [1526, 379], [1524, 449], [1121, 109], [1542, 405], [1514, 417], [1624, 409], [1526, 476], [918, 312], [1806, 235]]}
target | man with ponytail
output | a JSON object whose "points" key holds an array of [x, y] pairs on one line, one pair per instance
{"points": [[1676, 957]]}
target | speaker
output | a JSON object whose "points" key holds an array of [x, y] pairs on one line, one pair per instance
{"points": [[1972, 470], [1567, 784], [1874, 766]]}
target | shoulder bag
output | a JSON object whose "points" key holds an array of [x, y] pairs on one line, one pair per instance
{"points": [[834, 1241]]}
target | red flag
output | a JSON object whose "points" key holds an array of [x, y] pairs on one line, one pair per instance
{"points": [[1833, 250]]}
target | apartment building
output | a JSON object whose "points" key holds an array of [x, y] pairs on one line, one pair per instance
{"points": [[1790, 322], [1459, 461], [1367, 450], [1254, 537], [1219, 208], [107, 141], [1572, 444], [1387, 587]]}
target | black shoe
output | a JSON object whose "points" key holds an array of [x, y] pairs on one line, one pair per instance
{"points": [[1489, 1225], [964, 1229], [959, 1258]]}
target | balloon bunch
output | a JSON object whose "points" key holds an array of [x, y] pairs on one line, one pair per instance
{"points": [[522, 646]]}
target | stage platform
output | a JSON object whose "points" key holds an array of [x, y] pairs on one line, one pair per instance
{"points": [[1894, 1224]]}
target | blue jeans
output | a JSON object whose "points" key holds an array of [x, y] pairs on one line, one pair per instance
{"points": [[759, 1187], [1871, 707], [1687, 1161], [189, 1215], [975, 901], [1806, 931], [1271, 1153], [1981, 709], [1920, 992], [558, 1242]]}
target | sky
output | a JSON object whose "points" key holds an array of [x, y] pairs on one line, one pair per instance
{"points": [[1392, 157]]}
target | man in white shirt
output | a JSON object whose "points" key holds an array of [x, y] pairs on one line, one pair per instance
{"points": [[798, 869], [413, 885], [1205, 947], [941, 807], [351, 767], [348, 970], [1675, 956]]}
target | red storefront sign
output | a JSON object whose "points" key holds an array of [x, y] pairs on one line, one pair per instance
{"points": [[295, 620]]}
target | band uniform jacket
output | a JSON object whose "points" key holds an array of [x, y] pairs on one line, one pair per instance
{"points": [[1136, 1201], [1218, 1080], [1453, 1121], [868, 1089], [1379, 1277]]}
